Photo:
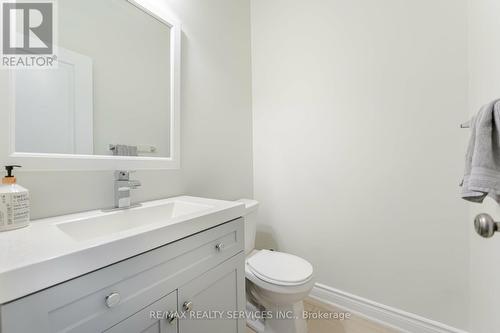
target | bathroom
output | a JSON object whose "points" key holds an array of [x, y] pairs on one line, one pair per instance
{"points": [[172, 141]]}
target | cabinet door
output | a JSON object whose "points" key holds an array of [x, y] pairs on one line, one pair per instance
{"points": [[210, 303], [154, 318]]}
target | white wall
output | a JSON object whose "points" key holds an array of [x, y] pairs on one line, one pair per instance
{"points": [[484, 55], [357, 150], [216, 120]]}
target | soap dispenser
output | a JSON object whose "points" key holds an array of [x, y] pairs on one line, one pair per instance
{"points": [[14, 202]]}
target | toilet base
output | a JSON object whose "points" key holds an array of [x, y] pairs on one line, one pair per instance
{"points": [[287, 319], [283, 319]]}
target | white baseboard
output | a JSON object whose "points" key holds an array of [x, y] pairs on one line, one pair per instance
{"points": [[379, 313]]}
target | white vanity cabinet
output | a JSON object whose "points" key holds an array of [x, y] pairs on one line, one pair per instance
{"points": [[192, 277]]}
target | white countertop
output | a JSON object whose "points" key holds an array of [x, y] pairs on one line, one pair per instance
{"points": [[42, 255]]}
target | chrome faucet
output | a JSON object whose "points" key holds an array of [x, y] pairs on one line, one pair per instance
{"points": [[123, 185]]}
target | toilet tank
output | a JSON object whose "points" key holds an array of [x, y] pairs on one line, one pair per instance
{"points": [[250, 216]]}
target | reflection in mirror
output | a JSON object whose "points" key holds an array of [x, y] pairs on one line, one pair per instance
{"points": [[110, 93]]}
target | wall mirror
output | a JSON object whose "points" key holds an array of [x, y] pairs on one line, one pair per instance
{"points": [[112, 102]]}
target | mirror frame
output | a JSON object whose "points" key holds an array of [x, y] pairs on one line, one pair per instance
{"points": [[51, 161]]}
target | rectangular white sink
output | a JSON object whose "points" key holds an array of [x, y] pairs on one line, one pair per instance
{"points": [[121, 220]]}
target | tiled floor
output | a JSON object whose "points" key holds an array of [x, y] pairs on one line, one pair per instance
{"points": [[353, 325]]}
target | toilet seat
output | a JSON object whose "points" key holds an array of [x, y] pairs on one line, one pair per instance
{"points": [[280, 268]]}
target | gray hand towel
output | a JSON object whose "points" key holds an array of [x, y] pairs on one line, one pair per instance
{"points": [[124, 150], [482, 165]]}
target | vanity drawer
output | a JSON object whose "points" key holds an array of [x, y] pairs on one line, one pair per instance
{"points": [[79, 305]]}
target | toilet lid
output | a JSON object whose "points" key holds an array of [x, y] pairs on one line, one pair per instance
{"points": [[280, 268]]}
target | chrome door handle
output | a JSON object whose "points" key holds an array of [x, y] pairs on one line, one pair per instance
{"points": [[485, 225]]}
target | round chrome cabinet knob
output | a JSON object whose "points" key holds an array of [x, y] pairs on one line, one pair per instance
{"points": [[171, 317], [219, 247], [187, 306], [112, 300], [485, 225]]}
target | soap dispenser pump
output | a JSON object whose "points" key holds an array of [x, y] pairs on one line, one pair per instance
{"points": [[14, 202]]}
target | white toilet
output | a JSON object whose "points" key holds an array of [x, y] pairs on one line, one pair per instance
{"points": [[276, 284]]}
